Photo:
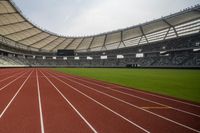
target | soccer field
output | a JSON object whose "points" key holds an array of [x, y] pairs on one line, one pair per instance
{"points": [[183, 84]]}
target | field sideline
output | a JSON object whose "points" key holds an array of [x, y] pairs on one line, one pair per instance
{"points": [[183, 84]]}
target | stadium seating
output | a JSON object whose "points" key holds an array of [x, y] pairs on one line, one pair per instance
{"points": [[177, 52]]}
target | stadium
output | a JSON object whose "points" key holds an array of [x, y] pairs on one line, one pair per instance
{"points": [[144, 78]]}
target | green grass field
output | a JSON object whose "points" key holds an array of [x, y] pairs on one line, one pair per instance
{"points": [[183, 84]]}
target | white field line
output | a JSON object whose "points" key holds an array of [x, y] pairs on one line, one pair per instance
{"points": [[12, 81], [91, 127], [124, 118], [178, 101], [39, 102], [171, 99], [15, 95], [182, 125], [11, 76], [144, 99]]}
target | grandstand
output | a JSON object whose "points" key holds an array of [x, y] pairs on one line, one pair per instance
{"points": [[171, 41]]}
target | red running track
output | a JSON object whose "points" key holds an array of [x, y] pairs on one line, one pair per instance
{"points": [[46, 101]]}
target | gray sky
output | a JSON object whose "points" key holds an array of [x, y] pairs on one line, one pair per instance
{"points": [[88, 17]]}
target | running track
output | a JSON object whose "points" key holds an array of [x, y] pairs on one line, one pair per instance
{"points": [[46, 101]]}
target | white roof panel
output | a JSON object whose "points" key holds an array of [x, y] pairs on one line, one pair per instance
{"points": [[16, 27]]}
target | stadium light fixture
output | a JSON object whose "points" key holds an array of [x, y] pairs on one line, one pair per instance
{"points": [[139, 55], [89, 58], [120, 56], [76, 58], [104, 57], [64, 58]]}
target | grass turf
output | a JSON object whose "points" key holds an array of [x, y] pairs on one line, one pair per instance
{"points": [[183, 84]]}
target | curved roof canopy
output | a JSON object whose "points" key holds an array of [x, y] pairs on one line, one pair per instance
{"points": [[17, 31]]}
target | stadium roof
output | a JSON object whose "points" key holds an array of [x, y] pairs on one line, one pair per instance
{"points": [[18, 31]]}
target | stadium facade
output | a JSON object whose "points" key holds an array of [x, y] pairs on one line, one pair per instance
{"points": [[171, 41]]}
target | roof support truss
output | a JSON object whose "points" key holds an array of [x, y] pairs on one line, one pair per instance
{"points": [[30, 37], [104, 42], [80, 43], [19, 31], [13, 23], [174, 25], [140, 40], [69, 44], [39, 40], [49, 42], [171, 26], [166, 34], [142, 31], [8, 13], [58, 45], [121, 40], [89, 47]]}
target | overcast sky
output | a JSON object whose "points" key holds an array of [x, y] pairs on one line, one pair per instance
{"points": [[88, 17]]}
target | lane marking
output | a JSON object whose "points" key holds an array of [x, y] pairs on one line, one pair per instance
{"points": [[180, 110], [9, 72], [11, 76], [185, 126], [91, 127], [39, 102], [2, 113], [124, 118], [12, 81], [155, 107], [137, 91], [178, 101]]}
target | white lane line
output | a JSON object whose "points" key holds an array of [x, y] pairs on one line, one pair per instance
{"points": [[12, 81], [91, 127], [140, 91], [136, 125], [14, 96], [40, 105], [182, 125], [64, 75], [10, 72], [178, 101], [144, 99], [11, 76]]}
